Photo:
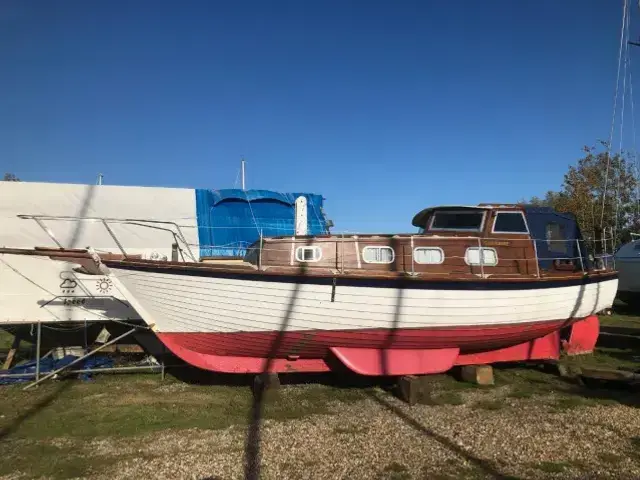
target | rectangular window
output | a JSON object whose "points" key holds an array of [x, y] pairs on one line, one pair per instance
{"points": [[428, 255], [464, 221], [308, 254], [556, 240], [489, 256], [378, 255], [510, 222]]}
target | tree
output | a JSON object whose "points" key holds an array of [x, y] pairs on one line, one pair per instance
{"points": [[10, 177], [600, 190]]}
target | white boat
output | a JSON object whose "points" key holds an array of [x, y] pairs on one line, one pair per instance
{"points": [[474, 285], [627, 260]]}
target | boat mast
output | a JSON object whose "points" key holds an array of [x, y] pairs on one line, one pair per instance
{"points": [[242, 172]]}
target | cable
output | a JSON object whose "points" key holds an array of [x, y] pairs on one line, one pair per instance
{"points": [[615, 107], [252, 214], [620, 153]]}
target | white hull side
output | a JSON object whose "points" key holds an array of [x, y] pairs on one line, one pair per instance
{"points": [[186, 303], [37, 289], [30, 287]]}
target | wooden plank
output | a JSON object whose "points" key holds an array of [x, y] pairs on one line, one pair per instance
{"points": [[595, 373], [12, 353], [610, 374], [123, 349]]}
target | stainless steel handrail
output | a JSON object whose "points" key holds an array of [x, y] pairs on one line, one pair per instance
{"points": [[105, 221], [180, 238]]}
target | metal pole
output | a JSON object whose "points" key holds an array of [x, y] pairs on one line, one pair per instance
{"points": [[48, 231], [106, 225], [413, 272], [481, 257], [342, 252], [55, 372], [260, 252], [535, 251], [186, 244], [38, 340], [580, 255]]}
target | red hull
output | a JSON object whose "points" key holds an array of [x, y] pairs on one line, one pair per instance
{"points": [[374, 352]]}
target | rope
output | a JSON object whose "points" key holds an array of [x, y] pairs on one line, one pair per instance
{"points": [[235, 183], [633, 128], [252, 214], [624, 96], [320, 219], [615, 108]]}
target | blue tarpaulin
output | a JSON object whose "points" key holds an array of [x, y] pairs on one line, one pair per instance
{"points": [[232, 219], [48, 365]]}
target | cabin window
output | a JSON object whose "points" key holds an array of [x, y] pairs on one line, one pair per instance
{"points": [[465, 221], [308, 254], [428, 255], [556, 240], [477, 255], [510, 222], [378, 255]]}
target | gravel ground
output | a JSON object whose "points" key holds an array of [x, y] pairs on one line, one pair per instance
{"points": [[381, 437]]}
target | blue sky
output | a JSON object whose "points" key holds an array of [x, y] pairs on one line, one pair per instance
{"points": [[384, 107]]}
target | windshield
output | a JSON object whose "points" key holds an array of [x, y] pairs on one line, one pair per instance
{"points": [[457, 221]]}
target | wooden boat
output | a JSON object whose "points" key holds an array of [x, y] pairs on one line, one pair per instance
{"points": [[474, 281]]}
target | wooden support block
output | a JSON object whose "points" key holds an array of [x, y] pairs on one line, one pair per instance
{"points": [[12, 353], [266, 386], [413, 389], [478, 374]]}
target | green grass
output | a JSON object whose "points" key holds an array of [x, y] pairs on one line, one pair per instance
{"points": [[605, 357], [552, 467], [54, 462], [571, 402], [127, 405], [611, 458], [490, 404], [351, 430], [131, 405], [621, 320], [394, 471], [445, 398], [6, 339], [521, 390]]}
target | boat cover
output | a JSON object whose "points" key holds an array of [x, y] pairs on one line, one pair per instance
{"points": [[556, 234], [230, 220]]}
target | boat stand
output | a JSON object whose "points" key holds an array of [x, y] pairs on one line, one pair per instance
{"points": [[39, 380], [12, 352]]}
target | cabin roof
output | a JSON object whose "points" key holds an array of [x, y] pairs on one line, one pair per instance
{"points": [[420, 217]]}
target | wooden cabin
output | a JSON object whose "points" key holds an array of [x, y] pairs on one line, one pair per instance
{"points": [[484, 240]]}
